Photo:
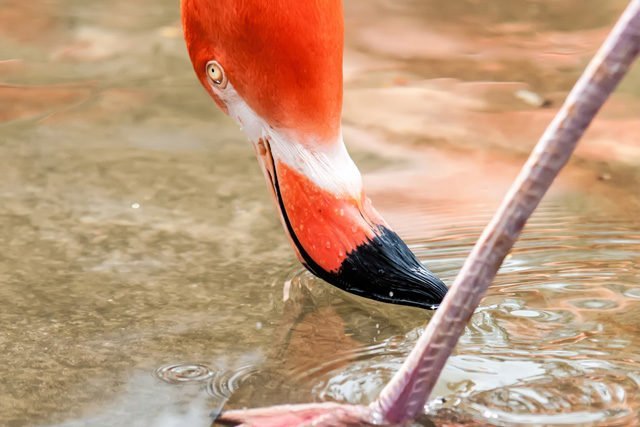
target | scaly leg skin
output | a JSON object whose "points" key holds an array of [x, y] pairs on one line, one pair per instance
{"points": [[324, 414], [405, 396]]}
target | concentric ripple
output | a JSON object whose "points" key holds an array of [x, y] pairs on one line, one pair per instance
{"points": [[597, 397], [224, 383], [184, 373]]}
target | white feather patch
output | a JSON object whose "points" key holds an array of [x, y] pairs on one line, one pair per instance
{"points": [[326, 163]]}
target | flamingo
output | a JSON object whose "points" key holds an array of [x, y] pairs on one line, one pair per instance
{"points": [[275, 67]]}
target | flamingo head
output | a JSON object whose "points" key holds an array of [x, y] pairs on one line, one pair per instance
{"points": [[275, 67]]}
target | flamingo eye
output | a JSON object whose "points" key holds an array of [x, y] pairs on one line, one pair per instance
{"points": [[215, 72]]}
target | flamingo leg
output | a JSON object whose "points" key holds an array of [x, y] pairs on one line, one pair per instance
{"points": [[325, 414], [405, 396]]}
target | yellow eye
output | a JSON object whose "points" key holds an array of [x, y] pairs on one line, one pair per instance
{"points": [[216, 74]]}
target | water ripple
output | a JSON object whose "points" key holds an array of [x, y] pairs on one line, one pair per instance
{"points": [[554, 342], [224, 383], [594, 397], [184, 373]]}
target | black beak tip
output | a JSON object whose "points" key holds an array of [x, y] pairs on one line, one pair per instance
{"points": [[385, 269]]}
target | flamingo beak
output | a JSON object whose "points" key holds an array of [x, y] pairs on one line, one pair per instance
{"points": [[339, 237]]}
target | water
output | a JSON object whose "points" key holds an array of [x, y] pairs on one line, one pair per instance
{"points": [[145, 279]]}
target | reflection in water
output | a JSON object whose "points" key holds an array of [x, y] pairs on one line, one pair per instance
{"points": [[136, 231]]}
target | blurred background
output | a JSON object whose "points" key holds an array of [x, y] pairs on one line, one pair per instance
{"points": [[144, 275]]}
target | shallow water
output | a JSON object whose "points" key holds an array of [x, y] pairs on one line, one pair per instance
{"points": [[145, 279]]}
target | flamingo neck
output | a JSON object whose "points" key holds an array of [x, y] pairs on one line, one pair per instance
{"points": [[326, 163]]}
